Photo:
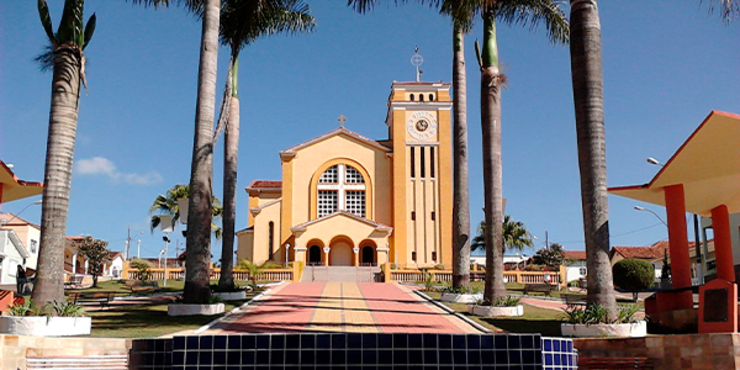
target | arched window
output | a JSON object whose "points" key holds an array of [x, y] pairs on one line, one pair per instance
{"points": [[271, 239], [341, 188], [421, 97], [431, 97], [412, 97]]}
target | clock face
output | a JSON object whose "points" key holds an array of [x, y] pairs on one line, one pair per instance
{"points": [[422, 125]]}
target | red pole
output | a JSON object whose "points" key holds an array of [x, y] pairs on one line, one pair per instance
{"points": [[723, 243], [678, 239]]}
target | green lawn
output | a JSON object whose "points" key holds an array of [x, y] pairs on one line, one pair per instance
{"points": [[535, 319], [120, 289], [147, 321], [519, 289]]}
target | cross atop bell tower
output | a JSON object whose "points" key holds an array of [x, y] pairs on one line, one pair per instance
{"points": [[417, 61]]}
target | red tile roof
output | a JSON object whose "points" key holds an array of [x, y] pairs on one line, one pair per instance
{"points": [[655, 251], [575, 255], [265, 184], [14, 220]]}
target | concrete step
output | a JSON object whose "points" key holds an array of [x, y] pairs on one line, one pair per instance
{"points": [[350, 274]]}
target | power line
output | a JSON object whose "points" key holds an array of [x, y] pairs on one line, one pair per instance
{"points": [[616, 235]]}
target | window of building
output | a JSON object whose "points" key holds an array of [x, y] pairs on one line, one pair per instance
{"points": [[421, 97], [431, 97], [342, 189], [34, 245], [330, 176], [582, 271], [431, 162], [413, 162], [422, 164], [355, 202], [271, 239], [412, 97], [327, 202]]}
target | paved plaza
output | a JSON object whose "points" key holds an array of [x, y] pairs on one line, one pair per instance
{"points": [[343, 307]]}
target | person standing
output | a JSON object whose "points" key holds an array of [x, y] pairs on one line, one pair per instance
{"points": [[20, 280]]}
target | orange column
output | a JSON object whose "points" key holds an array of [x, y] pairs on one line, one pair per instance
{"points": [[723, 243], [678, 239]]}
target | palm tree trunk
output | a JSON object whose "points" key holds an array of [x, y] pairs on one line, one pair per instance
{"points": [[492, 172], [231, 154], [461, 196], [585, 57], [65, 95], [201, 172]]}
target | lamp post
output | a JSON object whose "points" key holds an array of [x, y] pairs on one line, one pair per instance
{"points": [[128, 242], [643, 209], [287, 248], [166, 239], [21, 211]]}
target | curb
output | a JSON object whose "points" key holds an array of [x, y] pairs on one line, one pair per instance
{"points": [[460, 316]]}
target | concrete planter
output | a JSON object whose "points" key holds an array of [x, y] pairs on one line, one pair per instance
{"points": [[460, 298], [636, 330], [43, 326], [183, 309], [493, 311], [239, 295]]}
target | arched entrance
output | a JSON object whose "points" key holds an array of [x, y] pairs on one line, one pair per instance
{"points": [[341, 254], [367, 258], [314, 255]]}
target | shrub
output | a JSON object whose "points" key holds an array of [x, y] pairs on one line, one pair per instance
{"points": [[27, 308], [439, 266], [60, 309], [596, 314], [67, 309], [633, 275]]}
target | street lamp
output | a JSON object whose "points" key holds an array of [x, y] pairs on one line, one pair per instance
{"points": [[654, 161], [287, 248], [4, 222], [643, 209]]}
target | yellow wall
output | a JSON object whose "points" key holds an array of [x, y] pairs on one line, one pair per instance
{"points": [[260, 252], [245, 244]]}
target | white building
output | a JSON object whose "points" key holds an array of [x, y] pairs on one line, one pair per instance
{"points": [[19, 245], [575, 265]]}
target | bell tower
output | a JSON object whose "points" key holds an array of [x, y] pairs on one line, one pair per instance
{"points": [[419, 124]]}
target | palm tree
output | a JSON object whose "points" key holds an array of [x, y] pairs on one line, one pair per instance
{"points": [[492, 81], [462, 13], [243, 22], [198, 245], [588, 96], [66, 58], [515, 236], [166, 204]]}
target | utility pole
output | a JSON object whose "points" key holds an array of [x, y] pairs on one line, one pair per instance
{"points": [[128, 243], [138, 248], [547, 241]]}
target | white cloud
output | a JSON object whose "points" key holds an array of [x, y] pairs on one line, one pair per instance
{"points": [[104, 166]]}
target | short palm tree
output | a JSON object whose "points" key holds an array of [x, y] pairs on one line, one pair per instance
{"points": [[66, 59], [166, 204], [462, 13], [492, 81], [243, 22], [515, 236], [198, 244], [588, 97]]}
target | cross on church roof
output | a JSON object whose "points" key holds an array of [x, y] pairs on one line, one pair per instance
{"points": [[341, 120]]}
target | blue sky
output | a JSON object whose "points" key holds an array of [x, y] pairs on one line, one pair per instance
{"points": [[667, 64]]}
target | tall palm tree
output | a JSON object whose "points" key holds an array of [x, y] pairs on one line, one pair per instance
{"points": [[514, 234], [66, 58], [492, 81], [462, 13], [243, 22], [166, 204], [588, 97], [198, 244]]}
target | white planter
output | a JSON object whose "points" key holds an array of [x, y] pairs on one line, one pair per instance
{"points": [[183, 309], [636, 330], [231, 296], [460, 298], [492, 311], [42, 326]]}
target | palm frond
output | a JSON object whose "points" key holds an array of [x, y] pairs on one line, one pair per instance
{"points": [[46, 21], [71, 24], [531, 13], [243, 22], [728, 9], [89, 30], [46, 58], [195, 7]]}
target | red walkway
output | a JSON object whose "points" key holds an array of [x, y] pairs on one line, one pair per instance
{"points": [[343, 307]]}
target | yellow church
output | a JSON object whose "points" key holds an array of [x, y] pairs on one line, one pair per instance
{"points": [[347, 200]]}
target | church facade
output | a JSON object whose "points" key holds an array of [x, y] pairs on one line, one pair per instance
{"points": [[347, 200]]}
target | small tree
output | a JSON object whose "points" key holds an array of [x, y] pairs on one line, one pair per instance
{"points": [[551, 257], [143, 269], [97, 254], [634, 275]]}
